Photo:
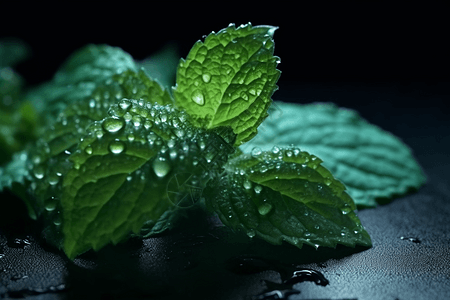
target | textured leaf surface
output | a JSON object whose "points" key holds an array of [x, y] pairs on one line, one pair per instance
{"points": [[228, 79], [287, 195], [123, 172], [371, 162]]}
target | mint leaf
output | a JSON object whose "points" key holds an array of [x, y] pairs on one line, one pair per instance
{"points": [[17, 117], [286, 195], [371, 162], [12, 51], [228, 79], [123, 172], [79, 76], [162, 65]]}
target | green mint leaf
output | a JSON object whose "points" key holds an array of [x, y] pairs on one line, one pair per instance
{"points": [[94, 63], [228, 79], [162, 65], [17, 117], [12, 51], [130, 168], [79, 76], [371, 162], [286, 195], [47, 160]]}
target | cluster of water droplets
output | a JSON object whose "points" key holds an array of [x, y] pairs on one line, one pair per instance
{"points": [[308, 227]]}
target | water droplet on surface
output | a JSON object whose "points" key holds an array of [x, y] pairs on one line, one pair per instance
{"points": [[131, 137], [57, 219], [116, 147], [307, 275], [161, 168], [206, 77], [256, 152], [113, 124], [173, 153], [197, 97], [202, 145], [50, 203], [251, 233], [411, 239], [275, 150], [264, 209], [244, 96], [19, 243], [171, 143], [39, 172], [258, 189], [263, 169], [88, 150]]}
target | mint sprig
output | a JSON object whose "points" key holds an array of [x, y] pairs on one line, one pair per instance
{"points": [[118, 154]]}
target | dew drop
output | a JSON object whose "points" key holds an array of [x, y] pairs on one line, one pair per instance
{"points": [[258, 189], [173, 153], [179, 133], [247, 185], [50, 204], [256, 152], [148, 124], [206, 77], [263, 169], [244, 96], [39, 172], [170, 143], [112, 124], [53, 179], [161, 168], [275, 150], [92, 103], [137, 121], [116, 147], [251, 233], [202, 145], [57, 220], [88, 150], [252, 92], [197, 97], [264, 209]]}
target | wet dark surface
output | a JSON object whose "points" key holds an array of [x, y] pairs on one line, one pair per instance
{"points": [[410, 257]]}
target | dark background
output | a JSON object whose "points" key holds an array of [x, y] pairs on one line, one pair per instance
{"points": [[347, 41]]}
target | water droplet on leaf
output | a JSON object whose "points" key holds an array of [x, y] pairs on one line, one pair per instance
{"points": [[161, 168], [206, 77], [258, 189], [197, 97], [112, 124], [116, 147], [264, 209]]}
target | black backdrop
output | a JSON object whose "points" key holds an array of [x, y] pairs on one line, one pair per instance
{"points": [[328, 41]]}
